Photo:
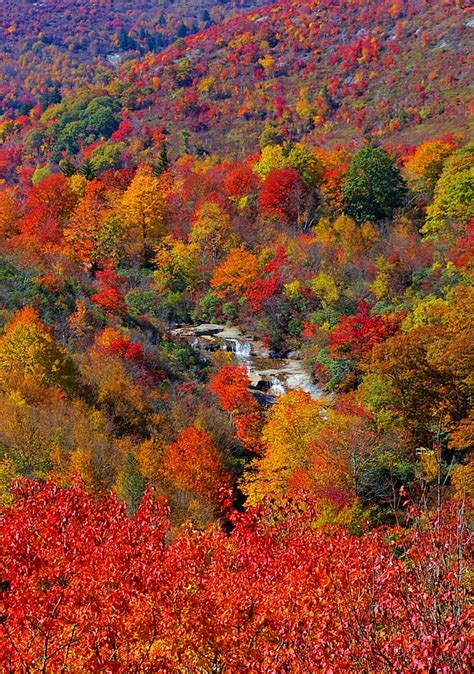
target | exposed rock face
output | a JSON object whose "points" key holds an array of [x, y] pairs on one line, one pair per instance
{"points": [[208, 329]]}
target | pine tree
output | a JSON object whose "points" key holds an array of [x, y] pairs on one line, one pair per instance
{"points": [[131, 484], [163, 162]]}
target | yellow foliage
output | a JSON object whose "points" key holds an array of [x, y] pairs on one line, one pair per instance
{"points": [[78, 185], [267, 62], [381, 284], [272, 157], [462, 479], [28, 349], [143, 211], [150, 459], [207, 84], [292, 290], [177, 264], [427, 310], [291, 426], [453, 203], [325, 288], [424, 167], [211, 230], [429, 466], [8, 213]]}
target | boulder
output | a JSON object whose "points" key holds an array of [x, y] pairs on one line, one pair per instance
{"points": [[208, 329]]}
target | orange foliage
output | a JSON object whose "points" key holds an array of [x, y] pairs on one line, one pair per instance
{"points": [[193, 463], [230, 384], [235, 274]]}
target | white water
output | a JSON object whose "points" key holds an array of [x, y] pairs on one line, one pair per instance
{"points": [[281, 374], [276, 388], [284, 374], [241, 350]]}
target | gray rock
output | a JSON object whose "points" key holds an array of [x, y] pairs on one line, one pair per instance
{"points": [[208, 329]]}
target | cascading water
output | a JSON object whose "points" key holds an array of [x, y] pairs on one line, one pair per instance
{"points": [[241, 350], [276, 388], [275, 377]]}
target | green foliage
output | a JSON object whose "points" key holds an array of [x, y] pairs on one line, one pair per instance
{"points": [[106, 156], [184, 359], [453, 203], [336, 369], [373, 187], [130, 484], [99, 116], [142, 303], [384, 475], [40, 173], [81, 118], [208, 305], [163, 162]]}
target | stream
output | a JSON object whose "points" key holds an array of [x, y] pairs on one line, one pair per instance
{"points": [[271, 377]]}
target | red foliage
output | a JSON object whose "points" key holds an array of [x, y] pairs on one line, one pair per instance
{"points": [[231, 385], [48, 205], [358, 334], [86, 587], [240, 181], [109, 295], [283, 194], [193, 463], [462, 253], [124, 130], [263, 289], [125, 348]]}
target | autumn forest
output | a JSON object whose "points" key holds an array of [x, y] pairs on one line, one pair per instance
{"points": [[236, 329]]}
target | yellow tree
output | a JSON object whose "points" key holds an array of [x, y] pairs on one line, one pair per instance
{"points": [[453, 202], [212, 231], [424, 166], [28, 352], [9, 215], [292, 424], [94, 456], [177, 265], [82, 230], [150, 459], [326, 289], [296, 156], [143, 212]]}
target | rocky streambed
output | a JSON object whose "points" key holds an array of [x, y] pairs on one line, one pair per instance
{"points": [[268, 376]]}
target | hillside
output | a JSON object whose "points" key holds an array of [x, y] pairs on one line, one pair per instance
{"points": [[328, 70], [236, 314], [51, 47]]}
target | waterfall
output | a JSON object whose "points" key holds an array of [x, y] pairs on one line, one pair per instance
{"points": [[242, 350], [277, 388]]}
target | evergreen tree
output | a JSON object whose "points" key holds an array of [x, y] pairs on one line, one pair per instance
{"points": [[131, 484], [123, 39], [87, 170], [163, 161], [186, 137], [182, 30]]}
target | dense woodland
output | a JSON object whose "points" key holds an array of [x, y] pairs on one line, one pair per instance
{"points": [[303, 171]]}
